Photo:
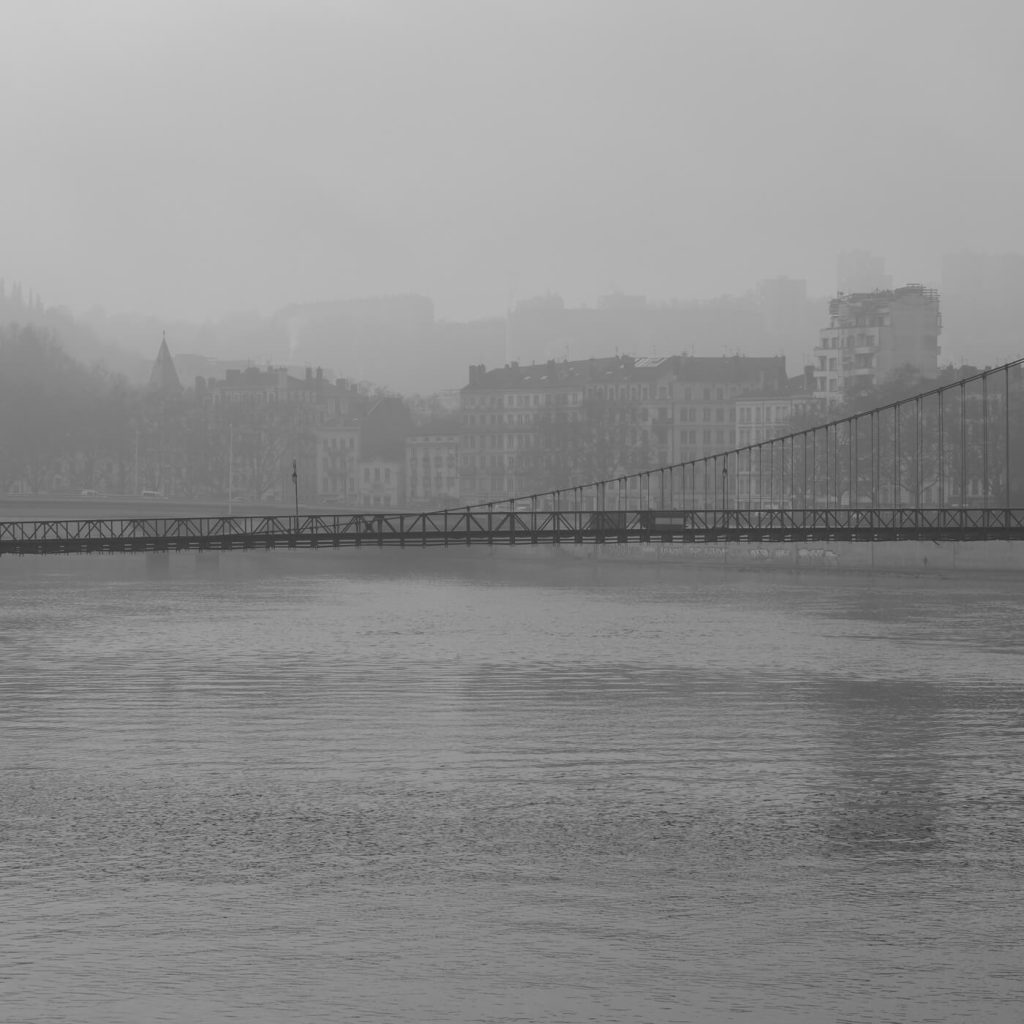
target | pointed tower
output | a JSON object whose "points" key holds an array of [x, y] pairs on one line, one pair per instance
{"points": [[164, 377]]}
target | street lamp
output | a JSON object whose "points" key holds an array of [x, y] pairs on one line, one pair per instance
{"points": [[231, 465]]}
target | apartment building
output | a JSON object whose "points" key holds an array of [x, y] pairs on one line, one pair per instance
{"points": [[336, 460], [871, 335], [764, 415], [380, 478], [548, 425], [504, 414], [705, 395], [551, 425], [432, 464]]}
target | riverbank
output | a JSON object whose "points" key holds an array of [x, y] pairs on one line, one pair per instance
{"points": [[915, 557], [898, 556]]}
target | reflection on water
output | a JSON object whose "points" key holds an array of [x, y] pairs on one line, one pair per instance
{"points": [[397, 786]]}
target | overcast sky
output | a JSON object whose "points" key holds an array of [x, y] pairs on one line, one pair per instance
{"points": [[196, 157]]}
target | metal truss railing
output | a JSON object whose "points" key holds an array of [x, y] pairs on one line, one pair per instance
{"points": [[429, 529]]}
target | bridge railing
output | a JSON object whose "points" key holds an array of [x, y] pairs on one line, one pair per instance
{"points": [[474, 526]]}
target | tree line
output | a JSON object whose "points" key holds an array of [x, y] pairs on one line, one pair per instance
{"points": [[68, 427]]}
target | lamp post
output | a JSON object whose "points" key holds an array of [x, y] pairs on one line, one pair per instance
{"points": [[295, 484], [231, 465]]}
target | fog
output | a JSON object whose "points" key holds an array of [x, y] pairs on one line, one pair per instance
{"points": [[685, 705], [189, 159]]}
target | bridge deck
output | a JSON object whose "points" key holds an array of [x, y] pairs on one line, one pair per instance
{"points": [[473, 526]]}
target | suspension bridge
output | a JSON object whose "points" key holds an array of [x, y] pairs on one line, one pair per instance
{"points": [[943, 465]]}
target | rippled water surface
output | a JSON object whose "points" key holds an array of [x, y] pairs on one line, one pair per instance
{"points": [[461, 787]]}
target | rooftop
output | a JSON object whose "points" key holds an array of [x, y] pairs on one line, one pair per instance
{"points": [[626, 369]]}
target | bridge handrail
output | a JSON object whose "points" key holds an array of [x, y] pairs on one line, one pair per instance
{"points": [[414, 523]]}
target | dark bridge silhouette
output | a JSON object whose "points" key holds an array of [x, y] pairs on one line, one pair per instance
{"points": [[475, 526], [943, 465]]}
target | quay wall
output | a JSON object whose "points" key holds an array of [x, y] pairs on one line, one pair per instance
{"points": [[903, 556]]}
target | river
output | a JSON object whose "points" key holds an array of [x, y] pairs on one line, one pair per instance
{"points": [[463, 786]]}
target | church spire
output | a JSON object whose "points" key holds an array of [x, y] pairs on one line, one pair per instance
{"points": [[164, 377]]}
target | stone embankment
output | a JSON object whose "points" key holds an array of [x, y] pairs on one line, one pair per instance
{"points": [[904, 556]]}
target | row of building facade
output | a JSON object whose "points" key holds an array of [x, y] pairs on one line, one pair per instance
{"points": [[615, 415], [527, 429], [515, 430]]}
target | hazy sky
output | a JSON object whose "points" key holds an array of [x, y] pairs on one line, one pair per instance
{"points": [[195, 157]]}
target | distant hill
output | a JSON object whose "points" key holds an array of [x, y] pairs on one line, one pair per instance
{"points": [[77, 337]]}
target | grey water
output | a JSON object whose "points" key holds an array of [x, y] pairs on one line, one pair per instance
{"points": [[461, 787]]}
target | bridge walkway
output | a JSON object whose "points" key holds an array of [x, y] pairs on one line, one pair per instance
{"points": [[474, 526]]}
